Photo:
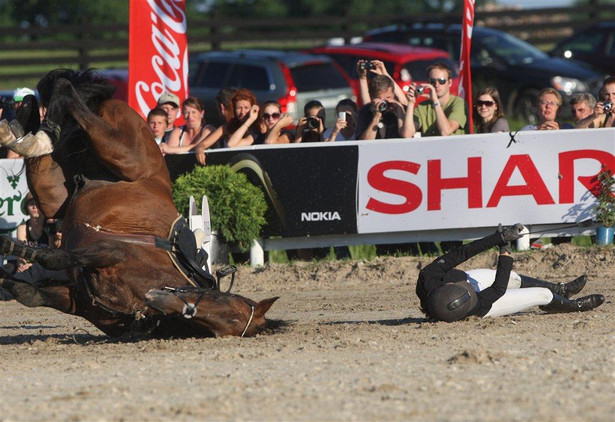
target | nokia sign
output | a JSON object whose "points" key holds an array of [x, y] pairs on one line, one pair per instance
{"points": [[320, 216]]}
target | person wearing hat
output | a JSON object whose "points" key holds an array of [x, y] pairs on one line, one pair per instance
{"points": [[448, 294], [169, 102], [19, 94]]}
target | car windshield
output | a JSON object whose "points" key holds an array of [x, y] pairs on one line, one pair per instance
{"points": [[511, 50], [317, 76]]}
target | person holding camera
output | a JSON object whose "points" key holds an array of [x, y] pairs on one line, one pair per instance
{"points": [[581, 106], [312, 125], [383, 116], [603, 115], [346, 124], [371, 68], [442, 114]]}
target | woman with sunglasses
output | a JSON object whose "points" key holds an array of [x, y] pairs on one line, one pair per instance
{"points": [[488, 113], [272, 125]]}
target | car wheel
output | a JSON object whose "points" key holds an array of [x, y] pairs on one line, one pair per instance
{"points": [[525, 106]]}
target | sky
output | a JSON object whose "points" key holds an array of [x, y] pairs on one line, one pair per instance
{"points": [[532, 4]]}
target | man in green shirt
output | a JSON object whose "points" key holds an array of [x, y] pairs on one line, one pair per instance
{"points": [[442, 114]]}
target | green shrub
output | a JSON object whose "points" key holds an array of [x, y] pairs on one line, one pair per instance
{"points": [[237, 207]]}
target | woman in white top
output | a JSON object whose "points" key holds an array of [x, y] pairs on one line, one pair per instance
{"points": [[184, 138]]}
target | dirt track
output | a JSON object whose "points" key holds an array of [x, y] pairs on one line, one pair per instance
{"points": [[358, 349]]}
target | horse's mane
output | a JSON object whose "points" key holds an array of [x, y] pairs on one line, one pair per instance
{"points": [[93, 88]]}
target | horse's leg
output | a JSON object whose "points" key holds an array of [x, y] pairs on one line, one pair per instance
{"points": [[48, 185], [116, 136], [52, 296], [101, 254]]}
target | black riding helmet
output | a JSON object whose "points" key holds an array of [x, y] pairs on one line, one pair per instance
{"points": [[452, 302]]}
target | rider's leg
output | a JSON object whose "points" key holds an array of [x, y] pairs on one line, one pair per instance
{"points": [[517, 300], [561, 289], [482, 278], [53, 296]]}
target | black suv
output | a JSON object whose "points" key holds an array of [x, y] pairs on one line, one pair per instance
{"points": [[517, 69], [594, 44], [291, 78]]}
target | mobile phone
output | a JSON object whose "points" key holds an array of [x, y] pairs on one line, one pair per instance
{"points": [[341, 115]]}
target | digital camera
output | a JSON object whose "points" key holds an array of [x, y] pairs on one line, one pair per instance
{"points": [[419, 89], [607, 106], [383, 106], [366, 65], [312, 123]]}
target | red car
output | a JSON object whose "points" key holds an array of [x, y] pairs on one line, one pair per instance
{"points": [[404, 63]]}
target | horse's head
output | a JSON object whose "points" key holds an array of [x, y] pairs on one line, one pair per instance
{"points": [[223, 314]]}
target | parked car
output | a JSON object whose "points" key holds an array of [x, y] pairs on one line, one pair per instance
{"points": [[404, 63], [594, 44], [517, 69], [291, 78]]}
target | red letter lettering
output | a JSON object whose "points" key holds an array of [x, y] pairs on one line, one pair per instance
{"points": [[435, 183], [535, 185], [566, 171], [411, 192]]}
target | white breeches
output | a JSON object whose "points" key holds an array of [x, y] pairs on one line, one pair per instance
{"points": [[515, 299]]}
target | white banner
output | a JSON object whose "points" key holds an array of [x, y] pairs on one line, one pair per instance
{"points": [[472, 181], [13, 190]]}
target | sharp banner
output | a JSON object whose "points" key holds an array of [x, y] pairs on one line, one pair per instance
{"points": [[405, 185], [480, 180]]}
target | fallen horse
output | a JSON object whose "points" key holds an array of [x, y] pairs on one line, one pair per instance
{"points": [[131, 258]]}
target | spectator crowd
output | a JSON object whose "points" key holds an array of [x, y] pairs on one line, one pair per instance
{"points": [[425, 109]]}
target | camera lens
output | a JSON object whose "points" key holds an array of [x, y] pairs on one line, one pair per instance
{"points": [[420, 89], [311, 123], [607, 106], [383, 106]]}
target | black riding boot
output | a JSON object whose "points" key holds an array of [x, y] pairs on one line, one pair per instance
{"points": [[561, 304], [562, 289]]}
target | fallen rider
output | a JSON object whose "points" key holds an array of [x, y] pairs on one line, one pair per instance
{"points": [[448, 294]]}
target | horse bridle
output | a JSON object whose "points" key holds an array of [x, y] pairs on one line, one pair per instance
{"points": [[189, 309]]}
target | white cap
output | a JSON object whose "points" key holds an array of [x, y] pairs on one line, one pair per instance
{"points": [[21, 93]]}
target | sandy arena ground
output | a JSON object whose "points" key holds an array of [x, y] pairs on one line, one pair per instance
{"points": [[358, 349]]}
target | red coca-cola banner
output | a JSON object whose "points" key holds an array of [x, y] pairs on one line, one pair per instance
{"points": [[158, 52], [465, 75]]}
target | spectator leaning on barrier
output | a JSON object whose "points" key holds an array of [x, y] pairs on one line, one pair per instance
{"points": [[312, 125], [488, 113], [195, 131], [383, 116], [158, 121], [169, 102], [272, 125], [581, 106], [603, 114], [224, 105], [346, 124], [442, 114], [547, 105], [241, 130]]}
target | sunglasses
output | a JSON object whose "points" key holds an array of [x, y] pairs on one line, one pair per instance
{"points": [[440, 81], [271, 116], [487, 103]]}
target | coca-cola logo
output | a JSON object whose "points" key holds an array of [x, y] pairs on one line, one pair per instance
{"points": [[163, 56]]}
